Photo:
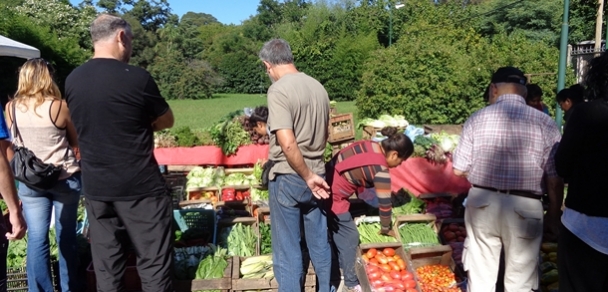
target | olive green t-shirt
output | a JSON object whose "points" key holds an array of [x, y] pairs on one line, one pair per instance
{"points": [[300, 103]]}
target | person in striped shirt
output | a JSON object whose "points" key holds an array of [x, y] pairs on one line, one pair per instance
{"points": [[362, 165]]}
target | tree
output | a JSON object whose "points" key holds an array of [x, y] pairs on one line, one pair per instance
{"points": [[61, 18], [438, 71], [198, 19]]}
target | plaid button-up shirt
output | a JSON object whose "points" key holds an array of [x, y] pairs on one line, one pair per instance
{"points": [[508, 146]]}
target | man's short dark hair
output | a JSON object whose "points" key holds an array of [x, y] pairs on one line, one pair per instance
{"points": [[106, 25]]}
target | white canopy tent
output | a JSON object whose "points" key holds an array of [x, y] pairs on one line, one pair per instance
{"points": [[11, 48]]}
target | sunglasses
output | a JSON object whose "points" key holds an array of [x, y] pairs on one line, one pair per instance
{"points": [[49, 66]]}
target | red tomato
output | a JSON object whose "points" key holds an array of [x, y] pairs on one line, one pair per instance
{"points": [[377, 283], [401, 264], [389, 289], [407, 276], [385, 268], [400, 285], [390, 259], [389, 252], [365, 258], [395, 275], [398, 290], [411, 290], [394, 266], [372, 268], [386, 278], [373, 261], [409, 284], [372, 253], [374, 275]]}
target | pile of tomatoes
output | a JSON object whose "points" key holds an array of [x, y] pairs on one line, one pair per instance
{"points": [[387, 271], [436, 278]]}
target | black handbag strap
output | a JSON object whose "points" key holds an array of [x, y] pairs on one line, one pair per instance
{"points": [[14, 121]]}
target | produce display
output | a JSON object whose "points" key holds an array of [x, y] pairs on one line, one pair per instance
{"points": [[187, 260], [229, 133], [265, 239], [384, 121], [436, 147], [405, 203], [258, 267], [454, 232], [441, 207], [200, 177], [549, 279], [387, 271], [418, 234], [436, 278], [454, 235], [369, 232], [241, 240], [213, 266]]}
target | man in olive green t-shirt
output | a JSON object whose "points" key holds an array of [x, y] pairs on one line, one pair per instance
{"points": [[298, 118]]}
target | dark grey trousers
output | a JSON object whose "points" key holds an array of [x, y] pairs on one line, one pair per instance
{"points": [[147, 224]]}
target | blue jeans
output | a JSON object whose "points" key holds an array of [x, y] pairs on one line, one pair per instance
{"points": [[37, 208], [292, 202]]}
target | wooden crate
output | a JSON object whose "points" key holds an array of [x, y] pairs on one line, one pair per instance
{"points": [[337, 146], [239, 284], [370, 132], [360, 264], [415, 218], [436, 255], [341, 128], [223, 284], [130, 279]]}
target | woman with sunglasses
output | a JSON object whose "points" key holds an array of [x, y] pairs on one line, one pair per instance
{"points": [[42, 121]]}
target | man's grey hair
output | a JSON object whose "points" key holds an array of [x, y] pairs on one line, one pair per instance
{"points": [[276, 52], [106, 26]]}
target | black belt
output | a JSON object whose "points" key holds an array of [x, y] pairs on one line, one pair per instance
{"points": [[525, 194]]}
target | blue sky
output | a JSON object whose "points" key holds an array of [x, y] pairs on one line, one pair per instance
{"points": [[226, 11]]}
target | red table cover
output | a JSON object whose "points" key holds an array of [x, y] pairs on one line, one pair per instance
{"points": [[417, 175], [210, 155]]}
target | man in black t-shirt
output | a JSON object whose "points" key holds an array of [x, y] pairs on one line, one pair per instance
{"points": [[116, 108]]}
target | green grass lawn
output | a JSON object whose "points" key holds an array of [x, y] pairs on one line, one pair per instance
{"points": [[201, 114]]}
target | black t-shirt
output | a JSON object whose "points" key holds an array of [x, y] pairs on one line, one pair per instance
{"points": [[582, 158], [113, 105]]}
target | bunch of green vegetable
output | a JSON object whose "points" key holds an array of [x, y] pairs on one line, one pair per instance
{"points": [[265, 239], [185, 137], [259, 195], [213, 266], [257, 172], [397, 121], [257, 267], [418, 234], [240, 179], [370, 233], [413, 206], [229, 133], [242, 240], [200, 177]]}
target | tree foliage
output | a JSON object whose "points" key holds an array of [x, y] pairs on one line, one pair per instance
{"points": [[435, 71]]}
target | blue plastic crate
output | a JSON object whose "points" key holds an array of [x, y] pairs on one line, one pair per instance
{"points": [[196, 218]]}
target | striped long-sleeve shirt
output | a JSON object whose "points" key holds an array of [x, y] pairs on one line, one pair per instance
{"points": [[371, 176]]}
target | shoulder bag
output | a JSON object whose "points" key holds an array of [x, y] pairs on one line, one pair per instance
{"points": [[28, 168]]}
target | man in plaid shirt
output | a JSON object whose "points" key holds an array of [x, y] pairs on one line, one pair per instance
{"points": [[504, 151]]}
